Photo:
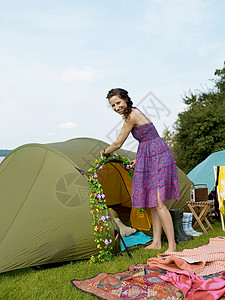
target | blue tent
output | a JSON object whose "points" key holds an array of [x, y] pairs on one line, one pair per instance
{"points": [[203, 173]]}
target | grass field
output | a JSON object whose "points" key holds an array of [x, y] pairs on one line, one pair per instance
{"points": [[55, 283]]}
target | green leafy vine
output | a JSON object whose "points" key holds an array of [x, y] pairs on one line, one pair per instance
{"points": [[99, 209]]}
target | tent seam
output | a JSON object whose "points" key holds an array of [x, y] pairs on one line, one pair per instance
{"points": [[3, 169], [47, 148]]}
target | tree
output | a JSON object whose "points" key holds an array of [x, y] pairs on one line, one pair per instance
{"points": [[200, 129]]}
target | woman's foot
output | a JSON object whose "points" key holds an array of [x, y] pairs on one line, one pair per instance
{"points": [[172, 248], [153, 246]]}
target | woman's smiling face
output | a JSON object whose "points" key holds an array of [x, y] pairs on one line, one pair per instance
{"points": [[118, 105]]}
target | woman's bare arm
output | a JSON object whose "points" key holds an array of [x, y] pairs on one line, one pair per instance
{"points": [[126, 129]]}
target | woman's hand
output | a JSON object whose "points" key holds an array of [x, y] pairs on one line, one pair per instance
{"points": [[132, 163], [103, 153]]}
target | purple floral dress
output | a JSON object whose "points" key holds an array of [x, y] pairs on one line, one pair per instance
{"points": [[155, 169]]}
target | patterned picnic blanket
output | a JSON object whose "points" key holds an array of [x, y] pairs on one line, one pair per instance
{"points": [[139, 282], [145, 281]]}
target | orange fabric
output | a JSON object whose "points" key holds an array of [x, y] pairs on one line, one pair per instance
{"points": [[141, 220], [117, 191], [212, 254], [173, 263]]}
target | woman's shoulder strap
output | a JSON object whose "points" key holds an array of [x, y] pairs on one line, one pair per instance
{"points": [[142, 113]]}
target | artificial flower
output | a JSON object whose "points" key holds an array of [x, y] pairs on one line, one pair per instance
{"points": [[102, 218], [106, 242], [98, 206]]}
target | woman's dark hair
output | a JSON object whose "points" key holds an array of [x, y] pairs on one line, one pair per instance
{"points": [[123, 94]]}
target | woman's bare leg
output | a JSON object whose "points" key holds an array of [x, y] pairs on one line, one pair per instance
{"points": [[157, 230], [164, 219], [167, 223]]}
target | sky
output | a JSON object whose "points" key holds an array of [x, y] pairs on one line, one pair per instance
{"points": [[59, 59]]}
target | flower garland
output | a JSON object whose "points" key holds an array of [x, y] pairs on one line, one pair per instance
{"points": [[99, 209]]}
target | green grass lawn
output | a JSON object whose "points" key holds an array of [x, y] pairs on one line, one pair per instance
{"points": [[55, 283]]}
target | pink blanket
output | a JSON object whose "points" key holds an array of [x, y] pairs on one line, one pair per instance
{"points": [[212, 257], [196, 287]]}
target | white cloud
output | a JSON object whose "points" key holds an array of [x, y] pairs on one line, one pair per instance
{"points": [[67, 125], [74, 75]]}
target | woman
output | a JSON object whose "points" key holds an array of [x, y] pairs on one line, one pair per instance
{"points": [[155, 176]]}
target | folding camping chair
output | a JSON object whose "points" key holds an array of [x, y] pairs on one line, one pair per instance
{"points": [[219, 173], [200, 206]]}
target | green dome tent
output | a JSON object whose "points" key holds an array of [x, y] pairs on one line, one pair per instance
{"points": [[45, 215]]}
